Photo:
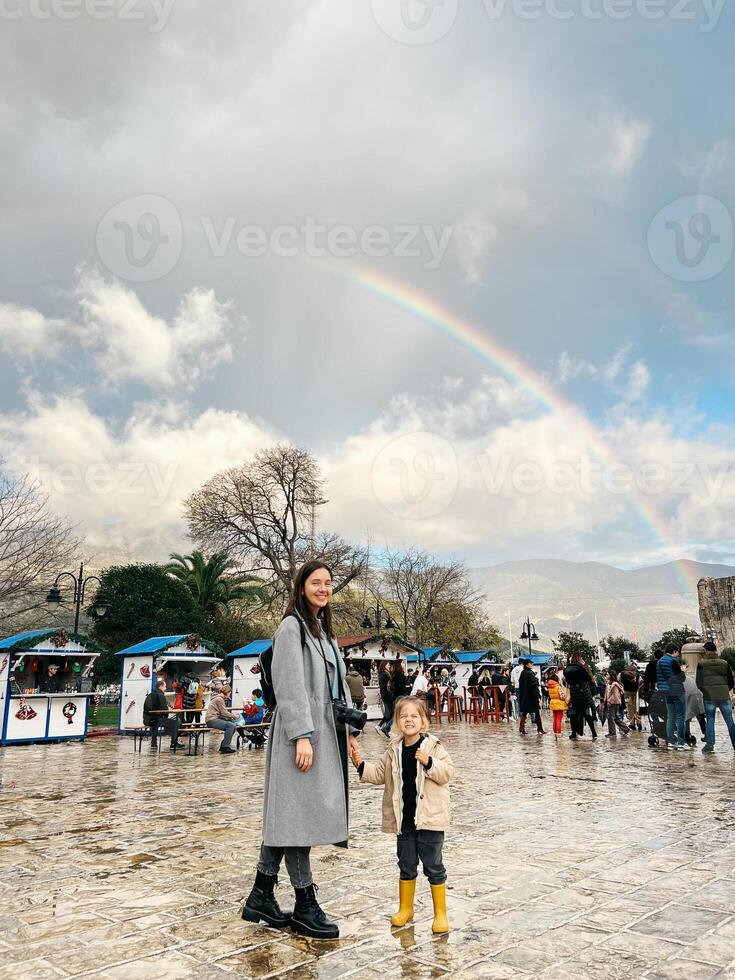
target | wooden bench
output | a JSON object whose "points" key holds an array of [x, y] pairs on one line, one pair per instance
{"points": [[193, 733], [139, 733]]}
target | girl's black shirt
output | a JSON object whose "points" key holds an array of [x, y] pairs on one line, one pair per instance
{"points": [[408, 766]]}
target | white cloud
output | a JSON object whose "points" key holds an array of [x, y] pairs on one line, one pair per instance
{"points": [[125, 487], [638, 379], [125, 340], [569, 368], [475, 236], [131, 343], [628, 139], [26, 333], [486, 480]]}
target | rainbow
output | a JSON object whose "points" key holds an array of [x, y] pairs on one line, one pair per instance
{"points": [[473, 338]]}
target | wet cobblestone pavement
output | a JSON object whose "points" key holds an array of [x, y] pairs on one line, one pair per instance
{"points": [[604, 860]]}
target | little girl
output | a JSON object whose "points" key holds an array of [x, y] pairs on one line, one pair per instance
{"points": [[614, 697], [415, 770], [557, 702]]}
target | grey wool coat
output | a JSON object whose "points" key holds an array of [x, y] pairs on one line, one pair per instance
{"points": [[301, 809]]}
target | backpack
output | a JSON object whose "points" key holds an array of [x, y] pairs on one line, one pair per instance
{"points": [[193, 688], [266, 669]]}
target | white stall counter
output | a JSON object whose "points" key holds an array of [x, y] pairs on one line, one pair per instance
{"points": [[46, 717]]}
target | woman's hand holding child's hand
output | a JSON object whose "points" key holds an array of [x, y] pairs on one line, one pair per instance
{"points": [[355, 755]]}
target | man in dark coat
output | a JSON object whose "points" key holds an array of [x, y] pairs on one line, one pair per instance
{"points": [[387, 698], [529, 700], [715, 680], [154, 702]]}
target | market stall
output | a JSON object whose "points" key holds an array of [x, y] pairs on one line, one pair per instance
{"points": [[174, 658], [45, 686], [367, 652], [245, 670]]}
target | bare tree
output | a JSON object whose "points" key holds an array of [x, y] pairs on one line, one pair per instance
{"points": [[420, 586], [35, 545], [263, 513]]}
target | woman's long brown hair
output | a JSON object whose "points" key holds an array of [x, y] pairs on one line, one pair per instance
{"points": [[577, 658], [298, 603]]}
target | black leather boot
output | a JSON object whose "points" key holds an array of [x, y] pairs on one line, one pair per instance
{"points": [[308, 919], [261, 904]]}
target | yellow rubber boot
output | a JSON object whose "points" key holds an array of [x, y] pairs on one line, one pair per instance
{"points": [[406, 891], [439, 898]]}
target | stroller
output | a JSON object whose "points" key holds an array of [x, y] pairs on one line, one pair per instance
{"points": [[254, 738], [656, 713]]}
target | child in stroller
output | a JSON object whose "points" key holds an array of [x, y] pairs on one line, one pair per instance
{"points": [[253, 713]]}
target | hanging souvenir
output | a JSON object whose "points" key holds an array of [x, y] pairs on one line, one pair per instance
{"points": [[60, 638], [193, 642], [132, 668], [145, 671]]}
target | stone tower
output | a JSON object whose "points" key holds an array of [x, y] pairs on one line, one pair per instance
{"points": [[717, 609]]}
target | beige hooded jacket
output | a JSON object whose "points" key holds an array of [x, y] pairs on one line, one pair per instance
{"points": [[432, 786]]}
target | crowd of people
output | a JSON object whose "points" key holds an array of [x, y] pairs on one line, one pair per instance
{"points": [[188, 706], [665, 691], [576, 695]]}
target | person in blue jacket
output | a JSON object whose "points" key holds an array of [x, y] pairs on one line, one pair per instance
{"points": [[670, 681]]}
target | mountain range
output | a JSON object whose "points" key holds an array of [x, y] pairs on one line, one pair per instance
{"points": [[565, 595]]}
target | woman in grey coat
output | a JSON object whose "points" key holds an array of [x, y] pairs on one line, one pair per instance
{"points": [[306, 788]]}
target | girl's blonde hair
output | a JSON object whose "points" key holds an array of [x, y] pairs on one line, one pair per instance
{"points": [[418, 703]]}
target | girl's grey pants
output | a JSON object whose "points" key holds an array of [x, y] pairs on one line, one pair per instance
{"points": [[297, 863]]}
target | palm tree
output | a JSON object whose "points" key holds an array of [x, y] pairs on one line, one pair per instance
{"points": [[212, 582]]}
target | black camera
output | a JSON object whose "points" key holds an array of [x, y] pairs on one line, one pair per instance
{"points": [[347, 716]]}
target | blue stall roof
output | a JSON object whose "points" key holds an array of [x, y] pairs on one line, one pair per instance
{"points": [[157, 644], [430, 652], [471, 656], [536, 658], [33, 638], [11, 641], [253, 649]]}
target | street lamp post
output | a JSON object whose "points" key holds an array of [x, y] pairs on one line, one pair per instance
{"points": [[529, 633], [379, 610], [55, 598]]}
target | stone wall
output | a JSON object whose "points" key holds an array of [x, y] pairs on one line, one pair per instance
{"points": [[717, 608]]}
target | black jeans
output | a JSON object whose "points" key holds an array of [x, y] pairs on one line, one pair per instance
{"points": [[387, 716], [423, 845]]}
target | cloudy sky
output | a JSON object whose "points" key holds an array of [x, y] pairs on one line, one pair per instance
{"points": [[477, 256]]}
